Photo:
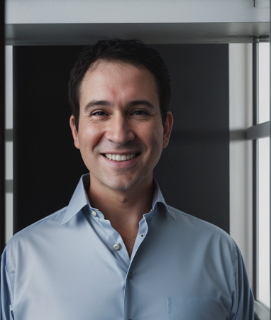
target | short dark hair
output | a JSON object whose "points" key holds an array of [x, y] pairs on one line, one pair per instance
{"points": [[133, 52]]}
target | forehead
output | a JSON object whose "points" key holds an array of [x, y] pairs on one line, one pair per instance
{"points": [[117, 76]]}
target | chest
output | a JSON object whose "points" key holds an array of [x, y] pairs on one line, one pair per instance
{"points": [[89, 281]]}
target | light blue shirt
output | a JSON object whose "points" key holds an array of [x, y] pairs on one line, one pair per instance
{"points": [[73, 265]]}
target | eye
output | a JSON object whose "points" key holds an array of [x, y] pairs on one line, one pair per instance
{"points": [[98, 113], [140, 112]]}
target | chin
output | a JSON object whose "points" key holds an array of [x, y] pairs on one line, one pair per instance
{"points": [[122, 185]]}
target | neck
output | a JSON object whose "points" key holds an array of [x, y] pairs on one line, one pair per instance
{"points": [[124, 209], [113, 203]]}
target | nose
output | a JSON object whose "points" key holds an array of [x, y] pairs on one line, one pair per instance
{"points": [[119, 131]]}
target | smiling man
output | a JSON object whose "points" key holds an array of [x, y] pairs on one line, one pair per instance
{"points": [[120, 135], [118, 251]]}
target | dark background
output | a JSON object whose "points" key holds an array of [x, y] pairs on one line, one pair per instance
{"points": [[193, 172]]}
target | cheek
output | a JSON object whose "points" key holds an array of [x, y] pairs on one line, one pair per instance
{"points": [[89, 136], [154, 140]]}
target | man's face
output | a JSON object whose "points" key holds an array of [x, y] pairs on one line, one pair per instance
{"points": [[120, 133]]}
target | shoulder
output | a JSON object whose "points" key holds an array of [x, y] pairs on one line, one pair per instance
{"points": [[202, 232], [20, 248], [38, 229], [205, 240], [192, 222]]}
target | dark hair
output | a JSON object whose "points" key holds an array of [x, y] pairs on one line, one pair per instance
{"points": [[134, 52]]}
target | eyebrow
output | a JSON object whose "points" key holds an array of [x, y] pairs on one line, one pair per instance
{"points": [[141, 102], [108, 104]]}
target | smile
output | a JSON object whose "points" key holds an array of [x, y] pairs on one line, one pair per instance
{"points": [[120, 157]]}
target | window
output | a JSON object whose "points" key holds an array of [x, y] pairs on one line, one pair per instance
{"points": [[260, 133], [264, 83], [9, 144], [263, 293]]}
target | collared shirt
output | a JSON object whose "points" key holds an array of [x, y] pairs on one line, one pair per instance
{"points": [[74, 265]]}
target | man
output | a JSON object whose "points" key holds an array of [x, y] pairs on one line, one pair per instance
{"points": [[118, 251]]}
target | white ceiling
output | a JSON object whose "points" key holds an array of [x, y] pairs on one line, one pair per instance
{"points": [[154, 21], [135, 11]]}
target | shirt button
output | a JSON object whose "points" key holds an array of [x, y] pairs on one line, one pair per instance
{"points": [[117, 246], [94, 213], [142, 235], [130, 275]]}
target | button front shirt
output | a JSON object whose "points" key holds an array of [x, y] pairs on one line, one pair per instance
{"points": [[74, 265]]}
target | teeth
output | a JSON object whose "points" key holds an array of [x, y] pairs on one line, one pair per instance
{"points": [[118, 157]]}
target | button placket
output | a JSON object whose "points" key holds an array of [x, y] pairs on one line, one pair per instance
{"points": [[142, 232], [119, 250]]}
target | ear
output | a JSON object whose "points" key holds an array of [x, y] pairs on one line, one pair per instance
{"points": [[167, 129], [74, 132]]}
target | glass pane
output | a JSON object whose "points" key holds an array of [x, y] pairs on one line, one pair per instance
{"points": [[9, 160], [9, 216], [9, 87], [263, 221], [264, 88]]}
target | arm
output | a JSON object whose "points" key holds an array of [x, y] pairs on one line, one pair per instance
{"points": [[243, 301], [6, 294]]}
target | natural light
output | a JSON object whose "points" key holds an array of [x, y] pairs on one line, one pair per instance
{"points": [[264, 83], [263, 221]]}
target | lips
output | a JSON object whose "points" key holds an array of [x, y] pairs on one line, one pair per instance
{"points": [[120, 157]]}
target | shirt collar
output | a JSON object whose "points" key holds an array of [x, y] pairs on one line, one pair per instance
{"points": [[80, 199], [158, 197]]}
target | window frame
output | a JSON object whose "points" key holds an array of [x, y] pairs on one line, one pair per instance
{"points": [[254, 133]]}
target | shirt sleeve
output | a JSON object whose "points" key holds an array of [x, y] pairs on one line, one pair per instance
{"points": [[243, 301], [6, 294]]}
